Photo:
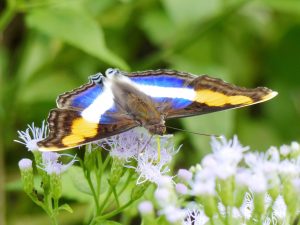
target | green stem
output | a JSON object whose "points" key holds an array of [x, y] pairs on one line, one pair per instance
{"points": [[131, 173], [87, 175], [228, 215], [105, 201], [126, 182], [116, 196], [106, 163], [99, 172], [113, 213]]}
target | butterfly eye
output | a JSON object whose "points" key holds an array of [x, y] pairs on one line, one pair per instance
{"points": [[96, 78], [111, 72]]}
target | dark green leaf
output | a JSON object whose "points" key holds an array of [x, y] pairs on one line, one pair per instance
{"points": [[75, 27]]}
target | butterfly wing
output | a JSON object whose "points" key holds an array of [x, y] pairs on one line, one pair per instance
{"points": [[180, 94], [68, 129], [85, 114], [81, 97]]}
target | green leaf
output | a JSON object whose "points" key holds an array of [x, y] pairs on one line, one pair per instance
{"points": [[157, 34], [66, 207], [78, 181], [76, 28], [191, 11], [58, 81]]}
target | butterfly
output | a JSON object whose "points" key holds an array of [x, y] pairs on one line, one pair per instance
{"points": [[112, 104]]}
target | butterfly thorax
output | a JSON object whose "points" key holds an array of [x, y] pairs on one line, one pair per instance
{"points": [[138, 107]]}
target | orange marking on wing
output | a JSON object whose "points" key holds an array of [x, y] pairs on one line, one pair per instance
{"points": [[212, 98], [80, 130]]}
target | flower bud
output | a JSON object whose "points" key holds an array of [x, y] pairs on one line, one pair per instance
{"points": [[146, 208], [209, 205], [25, 166], [181, 189], [90, 156], [185, 175], [139, 190], [259, 204], [290, 196], [226, 192], [147, 212], [55, 185], [116, 170]]}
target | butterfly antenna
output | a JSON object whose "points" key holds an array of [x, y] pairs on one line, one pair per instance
{"points": [[197, 133]]}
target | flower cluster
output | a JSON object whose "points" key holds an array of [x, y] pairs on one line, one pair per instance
{"points": [[234, 185], [49, 169], [152, 155]]}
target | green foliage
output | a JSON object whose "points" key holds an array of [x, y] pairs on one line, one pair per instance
{"points": [[49, 47]]}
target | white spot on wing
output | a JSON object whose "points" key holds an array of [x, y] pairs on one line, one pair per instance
{"points": [[167, 92], [100, 105], [105, 100]]}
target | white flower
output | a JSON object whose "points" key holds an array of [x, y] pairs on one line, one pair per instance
{"points": [[205, 186], [145, 207], [173, 214], [195, 217], [258, 183], [51, 165], [181, 189], [149, 171], [223, 162], [267, 221], [125, 145], [267, 163], [32, 135], [25, 164], [279, 208], [164, 196], [150, 166], [230, 152], [295, 147], [296, 184], [243, 177], [184, 175], [285, 150], [289, 168], [247, 206], [222, 209]]}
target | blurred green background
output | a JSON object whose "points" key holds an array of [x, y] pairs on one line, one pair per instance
{"points": [[52, 46]]}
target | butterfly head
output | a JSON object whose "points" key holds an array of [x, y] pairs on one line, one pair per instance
{"points": [[110, 72], [159, 129], [155, 125]]}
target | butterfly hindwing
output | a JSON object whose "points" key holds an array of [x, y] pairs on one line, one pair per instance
{"points": [[67, 129]]}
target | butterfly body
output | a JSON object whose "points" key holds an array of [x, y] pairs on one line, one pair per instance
{"points": [[121, 101]]}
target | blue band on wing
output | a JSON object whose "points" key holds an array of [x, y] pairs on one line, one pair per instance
{"points": [[161, 81], [85, 98]]}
